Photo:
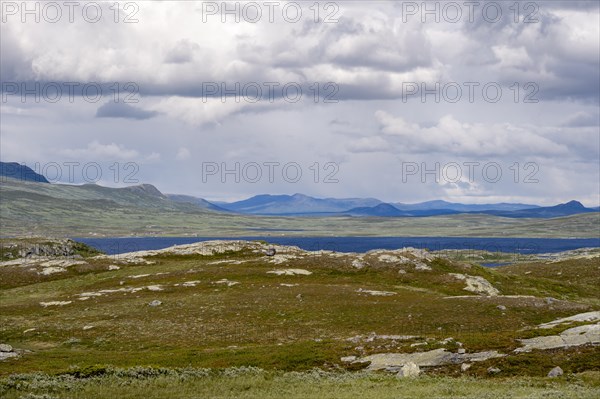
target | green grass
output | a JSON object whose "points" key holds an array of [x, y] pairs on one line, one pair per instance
{"points": [[261, 323], [150, 383]]}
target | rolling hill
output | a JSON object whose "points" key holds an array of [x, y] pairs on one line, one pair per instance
{"points": [[33, 208], [15, 170]]}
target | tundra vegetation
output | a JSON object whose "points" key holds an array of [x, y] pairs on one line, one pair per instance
{"points": [[221, 319]]}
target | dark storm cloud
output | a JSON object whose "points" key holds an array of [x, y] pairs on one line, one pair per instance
{"points": [[182, 52], [122, 110]]}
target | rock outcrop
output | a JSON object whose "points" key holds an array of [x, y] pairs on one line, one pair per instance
{"points": [[477, 284], [433, 358], [576, 336]]}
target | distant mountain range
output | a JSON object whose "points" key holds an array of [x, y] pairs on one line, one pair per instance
{"points": [[149, 197], [201, 202], [296, 204], [302, 205], [439, 204]]}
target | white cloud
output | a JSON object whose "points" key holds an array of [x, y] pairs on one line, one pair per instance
{"points": [[183, 154], [368, 144], [451, 136], [96, 150], [370, 53]]}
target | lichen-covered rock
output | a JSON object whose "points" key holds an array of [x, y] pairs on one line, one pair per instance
{"points": [[290, 272], [581, 317], [555, 372], [477, 284], [433, 358], [576, 336], [409, 370], [5, 348]]}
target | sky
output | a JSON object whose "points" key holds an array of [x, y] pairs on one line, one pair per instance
{"points": [[473, 102]]}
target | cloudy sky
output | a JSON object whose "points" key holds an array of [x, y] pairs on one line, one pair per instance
{"points": [[395, 100]]}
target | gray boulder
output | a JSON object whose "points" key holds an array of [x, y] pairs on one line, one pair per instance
{"points": [[5, 348], [409, 370], [555, 372]]}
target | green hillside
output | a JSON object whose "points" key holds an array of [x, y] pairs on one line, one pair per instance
{"points": [[28, 208]]}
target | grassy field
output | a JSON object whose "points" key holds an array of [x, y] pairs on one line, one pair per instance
{"points": [[225, 310], [144, 383]]}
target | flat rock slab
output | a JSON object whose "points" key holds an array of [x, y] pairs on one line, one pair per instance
{"points": [[436, 357], [581, 317], [477, 284], [290, 272], [8, 355], [375, 292], [576, 336]]}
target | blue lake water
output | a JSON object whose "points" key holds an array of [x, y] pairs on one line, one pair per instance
{"points": [[119, 245]]}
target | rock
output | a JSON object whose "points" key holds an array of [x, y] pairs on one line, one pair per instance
{"points": [[477, 284], [55, 303], [348, 359], [583, 317], [87, 327], [113, 267], [555, 372], [465, 366], [290, 272], [376, 293], [155, 303], [422, 266], [576, 336], [550, 300], [391, 258], [8, 355], [228, 283], [462, 351], [501, 307], [409, 370], [270, 252], [5, 348], [433, 358], [51, 270], [493, 370], [139, 275], [357, 264]]}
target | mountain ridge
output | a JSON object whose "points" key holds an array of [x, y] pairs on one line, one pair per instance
{"points": [[17, 171], [147, 195]]}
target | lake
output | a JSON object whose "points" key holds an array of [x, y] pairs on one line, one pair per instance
{"points": [[119, 245]]}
